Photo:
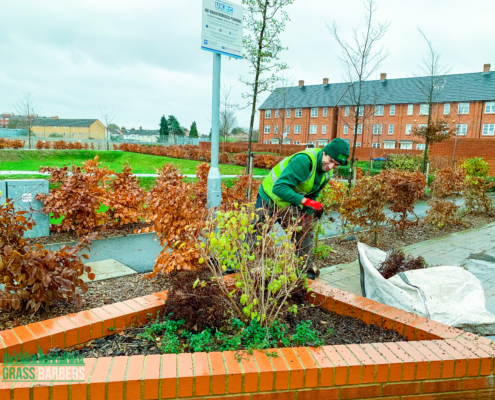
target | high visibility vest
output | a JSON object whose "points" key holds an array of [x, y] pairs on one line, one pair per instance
{"points": [[304, 188]]}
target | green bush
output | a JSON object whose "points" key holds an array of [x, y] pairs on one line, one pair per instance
{"points": [[344, 171], [475, 167], [403, 162]]}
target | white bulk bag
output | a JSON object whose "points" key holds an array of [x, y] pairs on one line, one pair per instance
{"points": [[448, 294]]}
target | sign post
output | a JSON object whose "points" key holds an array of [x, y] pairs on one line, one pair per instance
{"points": [[221, 34]]}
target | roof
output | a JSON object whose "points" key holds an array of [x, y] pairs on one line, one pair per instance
{"points": [[63, 122], [455, 88]]}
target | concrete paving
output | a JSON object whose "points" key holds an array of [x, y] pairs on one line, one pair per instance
{"points": [[473, 249], [108, 269]]}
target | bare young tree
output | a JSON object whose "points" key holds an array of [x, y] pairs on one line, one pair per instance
{"points": [[227, 114], [430, 86], [27, 110], [461, 133], [283, 99], [264, 22], [107, 115], [361, 57]]}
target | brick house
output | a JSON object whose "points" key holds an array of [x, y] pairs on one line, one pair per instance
{"points": [[316, 114]]}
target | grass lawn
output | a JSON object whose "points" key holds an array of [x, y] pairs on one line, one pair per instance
{"points": [[31, 160]]}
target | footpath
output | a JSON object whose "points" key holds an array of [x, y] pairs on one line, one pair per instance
{"points": [[473, 249]]}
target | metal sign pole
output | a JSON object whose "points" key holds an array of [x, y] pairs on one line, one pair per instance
{"points": [[214, 188]]}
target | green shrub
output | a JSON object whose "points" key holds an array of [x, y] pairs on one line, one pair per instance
{"points": [[475, 167], [403, 162]]}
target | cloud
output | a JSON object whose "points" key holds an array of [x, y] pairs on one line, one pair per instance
{"points": [[143, 59]]}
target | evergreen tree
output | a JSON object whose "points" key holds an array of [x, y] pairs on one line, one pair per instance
{"points": [[194, 130], [174, 126], [164, 131]]}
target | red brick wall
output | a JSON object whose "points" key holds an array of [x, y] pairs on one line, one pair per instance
{"points": [[466, 148], [336, 120]]}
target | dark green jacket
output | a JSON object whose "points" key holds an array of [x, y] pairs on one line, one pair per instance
{"points": [[298, 171]]}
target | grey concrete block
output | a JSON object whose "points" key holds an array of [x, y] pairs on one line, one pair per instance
{"points": [[107, 269], [23, 193], [3, 192]]}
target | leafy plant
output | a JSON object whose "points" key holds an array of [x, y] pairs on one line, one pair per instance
{"points": [[78, 196], [34, 276], [397, 261], [125, 198], [404, 190], [322, 251], [333, 194], [475, 191], [403, 162], [268, 270], [475, 167], [305, 336]]}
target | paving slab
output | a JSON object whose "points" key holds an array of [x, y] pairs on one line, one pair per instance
{"points": [[108, 269]]}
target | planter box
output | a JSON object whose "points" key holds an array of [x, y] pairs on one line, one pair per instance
{"points": [[138, 252], [438, 362]]}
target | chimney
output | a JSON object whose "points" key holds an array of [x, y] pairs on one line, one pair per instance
{"points": [[325, 81], [383, 76], [486, 68], [301, 83]]}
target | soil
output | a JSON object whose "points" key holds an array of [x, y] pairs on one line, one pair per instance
{"points": [[346, 251], [99, 294], [65, 237], [345, 330]]}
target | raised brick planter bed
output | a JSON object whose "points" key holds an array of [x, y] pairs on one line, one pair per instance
{"points": [[439, 362]]}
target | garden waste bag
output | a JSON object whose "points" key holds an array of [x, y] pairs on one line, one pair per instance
{"points": [[447, 294]]}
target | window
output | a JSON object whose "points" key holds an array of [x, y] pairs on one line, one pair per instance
{"points": [[266, 142], [420, 146], [377, 129], [488, 129], [390, 129], [409, 109], [446, 108], [360, 129], [378, 110], [276, 113], [462, 129], [296, 142], [312, 129], [408, 130], [311, 145], [274, 141], [358, 144], [389, 145], [288, 113], [314, 112], [392, 110], [490, 107], [286, 141], [463, 108], [267, 128], [297, 129], [322, 143], [287, 129], [422, 126], [346, 129], [323, 129], [361, 109], [424, 109], [275, 129], [406, 146], [298, 112], [268, 113], [324, 111], [376, 145], [347, 111]]}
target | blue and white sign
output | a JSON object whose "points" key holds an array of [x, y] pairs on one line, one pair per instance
{"points": [[222, 28]]}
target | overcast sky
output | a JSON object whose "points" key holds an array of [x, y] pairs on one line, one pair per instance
{"points": [[143, 58]]}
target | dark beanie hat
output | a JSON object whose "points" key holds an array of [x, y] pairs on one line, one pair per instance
{"points": [[338, 149]]}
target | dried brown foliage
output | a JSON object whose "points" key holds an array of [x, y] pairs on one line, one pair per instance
{"points": [[11, 144], [475, 191], [125, 199], [397, 261], [365, 206], [200, 307], [447, 183], [34, 276], [437, 131], [78, 196], [404, 190]]}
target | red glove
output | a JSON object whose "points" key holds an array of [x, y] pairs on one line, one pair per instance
{"points": [[315, 205]]}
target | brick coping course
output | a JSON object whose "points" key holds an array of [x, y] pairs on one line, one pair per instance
{"points": [[439, 362]]}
